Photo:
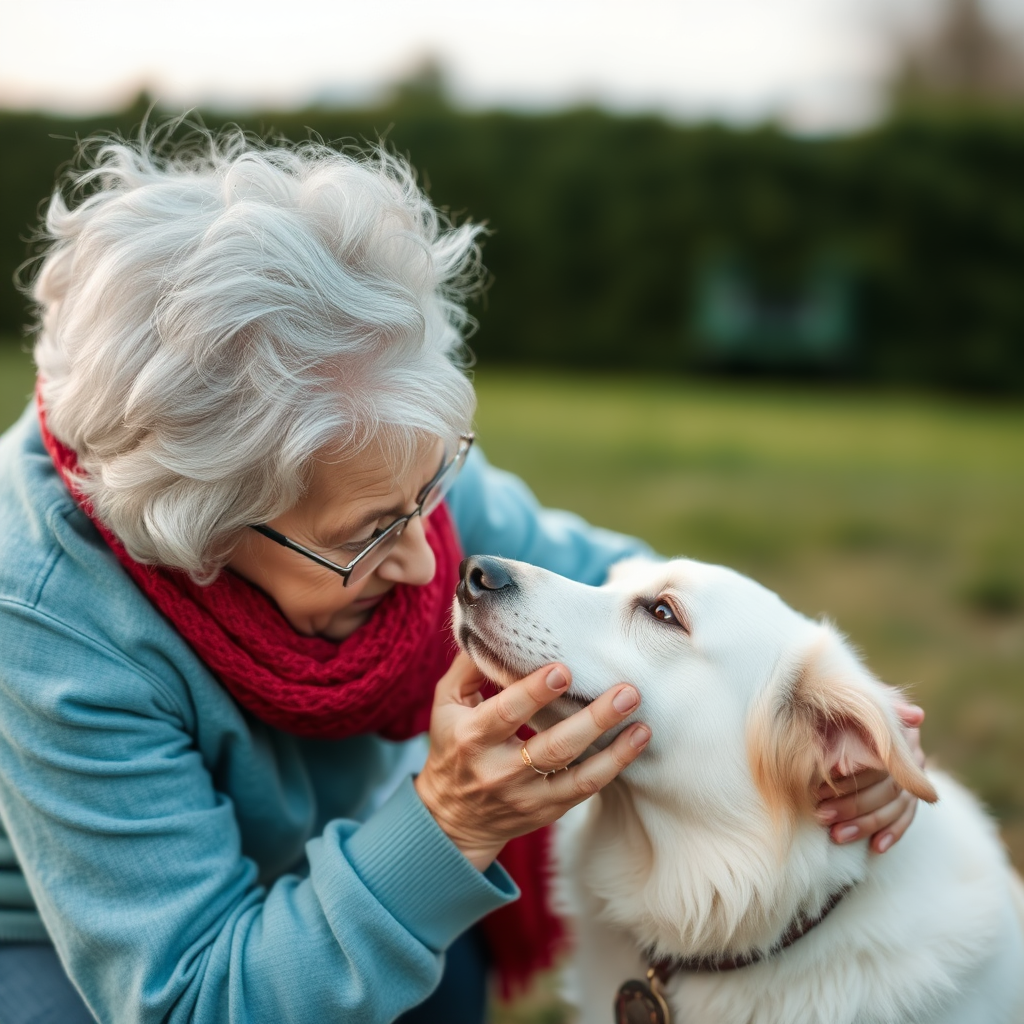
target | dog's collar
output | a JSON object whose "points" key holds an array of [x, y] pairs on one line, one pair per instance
{"points": [[639, 1000], [800, 926]]}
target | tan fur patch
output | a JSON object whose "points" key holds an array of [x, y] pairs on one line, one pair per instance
{"points": [[829, 718]]}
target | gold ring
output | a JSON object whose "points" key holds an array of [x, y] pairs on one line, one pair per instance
{"points": [[528, 761]]}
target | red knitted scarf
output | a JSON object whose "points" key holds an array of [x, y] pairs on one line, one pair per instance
{"points": [[381, 679]]}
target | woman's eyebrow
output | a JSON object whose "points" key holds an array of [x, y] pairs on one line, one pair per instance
{"points": [[354, 528]]}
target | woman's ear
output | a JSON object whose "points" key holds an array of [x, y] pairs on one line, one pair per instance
{"points": [[825, 718]]}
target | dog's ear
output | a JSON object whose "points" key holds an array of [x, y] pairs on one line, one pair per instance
{"points": [[825, 718]]}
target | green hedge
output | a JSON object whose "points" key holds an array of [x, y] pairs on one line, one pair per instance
{"points": [[604, 227]]}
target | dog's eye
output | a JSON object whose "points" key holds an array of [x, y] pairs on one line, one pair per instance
{"points": [[664, 612]]}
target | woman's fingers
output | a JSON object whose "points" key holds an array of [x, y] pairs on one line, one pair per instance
{"points": [[461, 683], [884, 838], [913, 738], [500, 717], [844, 810], [848, 785], [561, 744], [593, 774], [474, 782], [882, 811], [871, 803], [884, 820], [910, 714]]}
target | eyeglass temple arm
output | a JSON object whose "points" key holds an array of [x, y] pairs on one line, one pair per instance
{"points": [[287, 542]]}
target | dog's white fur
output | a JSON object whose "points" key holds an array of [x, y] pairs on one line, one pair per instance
{"points": [[706, 845]]}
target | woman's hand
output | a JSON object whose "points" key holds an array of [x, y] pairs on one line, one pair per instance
{"points": [[871, 803], [476, 783]]}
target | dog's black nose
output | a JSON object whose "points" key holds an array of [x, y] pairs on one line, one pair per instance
{"points": [[480, 576]]}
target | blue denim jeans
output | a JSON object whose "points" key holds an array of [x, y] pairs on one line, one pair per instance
{"points": [[35, 990]]}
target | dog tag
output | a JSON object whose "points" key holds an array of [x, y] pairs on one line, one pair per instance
{"points": [[640, 1002]]}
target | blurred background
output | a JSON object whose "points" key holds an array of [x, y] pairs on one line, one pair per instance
{"points": [[757, 276]]}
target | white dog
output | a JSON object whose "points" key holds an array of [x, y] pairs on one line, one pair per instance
{"points": [[702, 867]]}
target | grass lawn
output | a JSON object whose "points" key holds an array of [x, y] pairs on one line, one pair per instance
{"points": [[16, 381], [901, 518]]}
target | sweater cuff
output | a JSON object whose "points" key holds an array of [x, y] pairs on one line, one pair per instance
{"points": [[418, 874]]}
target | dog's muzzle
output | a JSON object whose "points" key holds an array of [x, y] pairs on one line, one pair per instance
{"points": [[480, 577]]}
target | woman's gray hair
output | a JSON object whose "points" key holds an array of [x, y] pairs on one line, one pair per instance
{"points": [[214, 315]]}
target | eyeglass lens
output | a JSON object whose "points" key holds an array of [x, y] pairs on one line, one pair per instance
{"points": [[443, 483], [377, 553], [433, 497]]}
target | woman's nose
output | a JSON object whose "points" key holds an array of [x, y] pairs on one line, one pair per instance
{"points": [[411, 560]]}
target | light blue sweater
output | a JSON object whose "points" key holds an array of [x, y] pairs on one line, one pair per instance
{"points": [[189, 862]]}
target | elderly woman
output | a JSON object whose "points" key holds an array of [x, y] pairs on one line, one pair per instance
{"points": [[232, 528]]}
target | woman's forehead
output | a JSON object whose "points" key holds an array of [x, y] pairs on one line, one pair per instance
{"points": [[368, 485]]}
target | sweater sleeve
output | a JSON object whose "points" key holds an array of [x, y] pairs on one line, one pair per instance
{"points": [[497, 514], [134, 858]]}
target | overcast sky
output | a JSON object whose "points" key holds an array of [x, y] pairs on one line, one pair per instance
{"points": [[815, 64]]}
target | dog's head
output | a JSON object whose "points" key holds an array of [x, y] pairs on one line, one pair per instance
{"points": [[739, 689]]}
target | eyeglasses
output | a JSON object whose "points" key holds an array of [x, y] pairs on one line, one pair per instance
{"points": [[377, 550]]}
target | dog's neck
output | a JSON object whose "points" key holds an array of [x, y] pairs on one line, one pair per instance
{"points": [[701, 885]]}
